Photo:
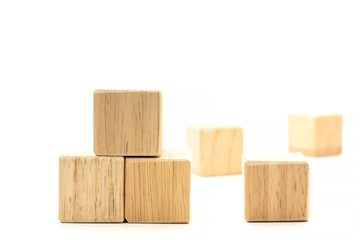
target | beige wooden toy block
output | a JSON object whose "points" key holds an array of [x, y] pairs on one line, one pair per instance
{"points": [[216, 150], [157, 190], [315, 135], [276, 190], [91, 189], [127, 123]]}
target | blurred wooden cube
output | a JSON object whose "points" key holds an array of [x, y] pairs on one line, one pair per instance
{"points": [[277, 190], [91, 189], [157, 190], [315, 135], [216, 150], [127, 123]]}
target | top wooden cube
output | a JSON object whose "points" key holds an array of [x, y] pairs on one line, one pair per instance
{"points": [[127, 123], [315, 135]]}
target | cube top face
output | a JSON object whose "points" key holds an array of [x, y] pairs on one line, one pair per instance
{"points": [[157, 190], [315, 135], [176, 154], [78, 153], [127, 123], [91, 189], [125, 91], [276, 191], [212, 127], [250, 158], [217, 150]]}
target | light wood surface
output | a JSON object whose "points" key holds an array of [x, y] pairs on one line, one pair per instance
{"points": [[91, 189], [276, 191], [273, 156], [315, 135], [216, 150], [127, 123], [157, 190]]}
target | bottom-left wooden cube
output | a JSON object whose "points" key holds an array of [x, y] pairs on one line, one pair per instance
{"points": [[91, 189]]}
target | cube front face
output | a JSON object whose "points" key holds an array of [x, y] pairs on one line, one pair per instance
{"points": [[91, 189], [157, 190], [315, 135], [216, 150], [276, 191], [328, 135], [127, 123]]}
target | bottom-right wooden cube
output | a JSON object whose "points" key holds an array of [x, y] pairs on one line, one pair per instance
{"points": [[157, 190], [276, 191]]}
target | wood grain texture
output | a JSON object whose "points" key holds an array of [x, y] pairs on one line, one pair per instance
{"points": [[217, 150], [276, 191], [315, 135], [91, 189], [157, 190], [127, 123]]}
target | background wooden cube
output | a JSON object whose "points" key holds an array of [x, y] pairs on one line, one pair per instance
{"points": [[276, 191], [216, 150], [91, 189], [315, 135], [157, 190], [127, 123]]}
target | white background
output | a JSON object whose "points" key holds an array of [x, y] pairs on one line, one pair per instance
{"points": [[246, 62]]}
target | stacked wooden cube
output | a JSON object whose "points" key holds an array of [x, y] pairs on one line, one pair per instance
{"points": [[129, 177]]}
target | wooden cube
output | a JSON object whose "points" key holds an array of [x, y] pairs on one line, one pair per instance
{"points": [[127, 123], [157, 190], [276, 191], [216, 150], [315, 135], [91, 189]]}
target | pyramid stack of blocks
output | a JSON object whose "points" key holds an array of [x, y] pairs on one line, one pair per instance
{"points": [[129, 178]]}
